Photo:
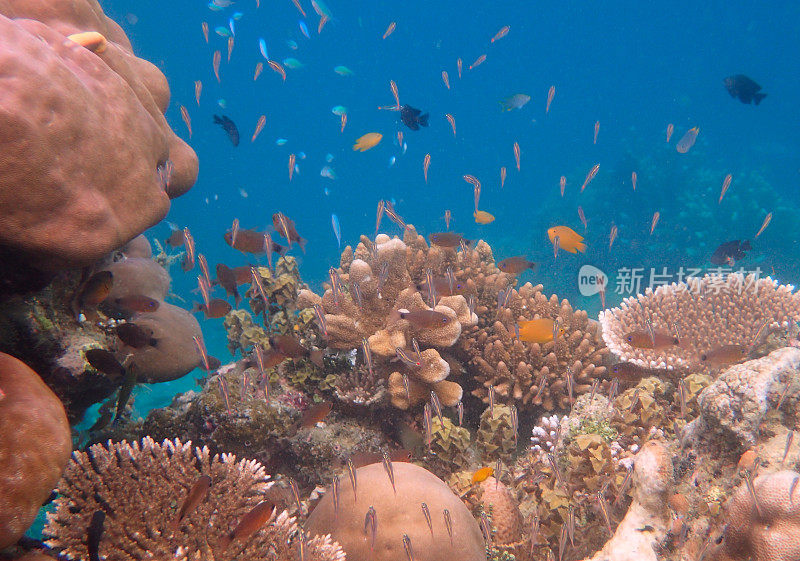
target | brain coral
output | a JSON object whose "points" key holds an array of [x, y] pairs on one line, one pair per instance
{"points": [[86, 152], [704, 313], [35, 443], [141, 487]]}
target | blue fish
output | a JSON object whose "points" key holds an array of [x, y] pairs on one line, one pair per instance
{"points": [[230, 24], [222, 31], [336, 229], [262, 46], [237, 15], [303, 28]]}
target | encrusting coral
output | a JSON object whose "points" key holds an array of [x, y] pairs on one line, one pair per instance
{"points": [[763, 525], [704, 314], [35, 443], [143, 490]]}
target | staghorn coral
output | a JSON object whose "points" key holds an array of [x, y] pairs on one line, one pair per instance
{"points": [[705, 313], [360, 311], [768, 530], [34, 446], [398, 513], [516, 369], [140, 488]]}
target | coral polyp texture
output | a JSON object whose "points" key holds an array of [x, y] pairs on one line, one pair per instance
{"points": [[704, 314], [88, 160], [375, 298], [34, 446], [151, 508], [532, 373]]}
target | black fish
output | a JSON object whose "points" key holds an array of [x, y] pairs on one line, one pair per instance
{"points": [[105, 362], [95, 534], [229, 127], [135, 336], [412, 117], [730, 252], [744, 88]]}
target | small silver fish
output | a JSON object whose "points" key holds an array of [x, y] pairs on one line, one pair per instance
{"points": [[682, 397], [365, 348], [405, 386], [356, 290], [296, 495], [471, 304], [498, 472], [437, 406], [407, 547], [604, 510], [427, 514], [752, 490], [624, 485], [571, 524], [595, 385], [431, 287], [486, 528], [515, 422], [789, 438], [335, 494], [387, 465], [460, 410], [491, 401], [351, 469], [416, 349], [383, 275], [448, 524], [371, 522], [427, 420]]}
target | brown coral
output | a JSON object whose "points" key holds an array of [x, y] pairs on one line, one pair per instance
{"points": [[768, 530], [34, 446], [705, 313], [140, 488], [517, 369]]}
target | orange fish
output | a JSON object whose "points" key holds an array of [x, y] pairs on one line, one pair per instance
{"points": [[430, 319], [634, 179], [196, 495], [452, 121], [187, 119], [482, 474], [562, 183], [612, 235], [230, 47], [582, 216], [688, 140], [198, 87], [258, 70], [262, 120], [446, 79], [215, 60], [396, 95], [670, 128], [292, 159], [550, 95], [590, 176], [426, 162], [766, 222], [656, 340], [260, 514], [205, 30], [369, 140], [478, 61], [516, 154], [656, 216], [215, 309], [389, 30], [568, 239], [299, 7], [344, 121], [96, 288], [500, 34], [277, 68], [724, 355], [502, 176], [483, 217], [725, 185], [315, 414], [596, 130], [538, 330]]}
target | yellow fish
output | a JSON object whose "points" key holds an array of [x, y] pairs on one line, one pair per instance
{"points": [[369, 140], [482, 474], [537, 330], [482, 217], [568, 239]]}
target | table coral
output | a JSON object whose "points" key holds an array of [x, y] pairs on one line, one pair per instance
{"points": [[35, 443], [704, 313], [398, 513], [140, 488], [86, 136]]}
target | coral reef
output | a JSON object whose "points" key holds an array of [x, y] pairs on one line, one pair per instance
{"points": [[143, 493], [495, 438], [397, 506], [34, 446], [498, 500], [734, 406], [763, 525], [90, 144], [534, 373], [704, 314]]}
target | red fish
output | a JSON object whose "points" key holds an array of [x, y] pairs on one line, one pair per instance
{"points": [[502, 176], [670, 128], [258, 70], [634, 179], [252, 241], [262, 120], [725, 185], [186, 119], [261, 514], [137, 303], [459, 64], [285, 227], [215, 309], [215, 60], [452, 121], [277, 68], [656, 216], [315, 414]]}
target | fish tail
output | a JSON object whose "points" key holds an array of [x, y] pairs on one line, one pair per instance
{"points": [[217, 120], [758, 97], [302, 243], [580, 246], [423, 119]]}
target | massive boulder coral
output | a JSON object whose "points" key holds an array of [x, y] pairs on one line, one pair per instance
{"points": [[139, 490], [518, 370], [704, 314], [378, 281], [34, 446], [398, 511], [88, 160]]}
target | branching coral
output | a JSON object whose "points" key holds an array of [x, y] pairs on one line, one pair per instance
{"points": [[141, 489], [704, 314], [518, 370]]}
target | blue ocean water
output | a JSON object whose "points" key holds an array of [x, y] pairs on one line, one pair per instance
{"points": [[634, 67]]}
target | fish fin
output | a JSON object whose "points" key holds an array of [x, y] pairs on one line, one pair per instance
{"points": [[302, 243], [580, 246], [413, 126], [758, 97], [423, 119]]}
